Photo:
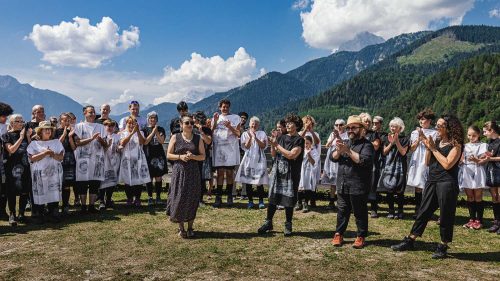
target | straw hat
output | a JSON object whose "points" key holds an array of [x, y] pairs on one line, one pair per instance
{"points": [[44, 125], [355, 119]]}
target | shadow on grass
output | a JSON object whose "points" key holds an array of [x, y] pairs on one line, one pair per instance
{"points": [[76, 216], [482, 257]]}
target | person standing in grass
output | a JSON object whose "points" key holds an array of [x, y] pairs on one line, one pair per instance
{"points": [[66, 135], [203, 129], [472, 177], [112, 161], [89, 155], [378, 162], [441, 189], [5, 111], [355, 158], [308, 176], [417, 170], [287, 151], [185, 149], [392, 179], [134, 170], [253, 167], [491, 158], [155, 154], [17, 168], [225, 149], [308, 130], [330, 168], [46, 155]]}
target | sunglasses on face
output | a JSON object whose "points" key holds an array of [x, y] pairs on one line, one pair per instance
{"points": [[19, 122], [189, 123], [352, 128]]}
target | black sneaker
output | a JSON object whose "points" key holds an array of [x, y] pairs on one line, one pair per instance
{"points": [[298, 206], [441, 251], [12, 220], [22, 219], [288, 229], [230, 201], [405, 245], [218, 202], [306, 208], [266, 227]]}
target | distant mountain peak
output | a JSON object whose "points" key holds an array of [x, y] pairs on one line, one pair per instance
{"points": [[7, 80], [360, 41]]}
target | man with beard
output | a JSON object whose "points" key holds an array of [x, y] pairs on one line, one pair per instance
{"points": [[355, 158]]}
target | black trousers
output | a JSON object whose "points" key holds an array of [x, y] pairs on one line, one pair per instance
{"points": [[357, 204], [442, 195]]}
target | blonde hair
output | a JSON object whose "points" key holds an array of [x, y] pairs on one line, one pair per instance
{"points": [[310, 118], [396, 121]]}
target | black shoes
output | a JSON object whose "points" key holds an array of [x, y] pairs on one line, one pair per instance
{"points": [[405, 245], [288, 229], [266, 227], [218, 202], [441, 251]]}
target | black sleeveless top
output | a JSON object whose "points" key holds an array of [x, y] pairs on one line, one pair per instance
{"points": [[437, 173]]}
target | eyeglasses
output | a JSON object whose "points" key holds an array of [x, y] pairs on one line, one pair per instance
{"points": [[337, 125], [189, 123], [351, 128], [17, 121]]}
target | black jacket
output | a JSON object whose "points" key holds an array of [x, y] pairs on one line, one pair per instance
{"points": [[355, 178]]}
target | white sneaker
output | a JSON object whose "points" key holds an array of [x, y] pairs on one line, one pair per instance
{"points": [[102, 206]]}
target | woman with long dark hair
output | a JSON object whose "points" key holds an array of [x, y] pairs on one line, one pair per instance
{"points": [[441, 189]]}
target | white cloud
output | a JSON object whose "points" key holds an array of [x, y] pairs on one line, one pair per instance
{"points": [[81, 44], [301, 4], [332, 22], [45, 67], [207, 75], [495, 13], [125, 97]]}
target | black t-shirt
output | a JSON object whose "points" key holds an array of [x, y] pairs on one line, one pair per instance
{"points": [[437, 173], [31, 125], [154, 147], [19, 157], [289, 142], [394, 153], [494, 148], [65, 143]]}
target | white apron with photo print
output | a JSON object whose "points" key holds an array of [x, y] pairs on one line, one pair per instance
{"points": [[226, 147], [46, 174], [253, 167], [309, 172], [133, 165], [90, 157], [318, 148], [330, 168], [472, 175], [417, 170], [111, 162]]}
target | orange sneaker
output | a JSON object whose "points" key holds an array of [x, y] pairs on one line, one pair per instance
{"points": [[337, 240], [359, 243]]}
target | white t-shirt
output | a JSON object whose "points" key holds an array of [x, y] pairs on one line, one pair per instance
{"points": [[133, 165], [226, 148], [309, 172], [472, 175], [143, 122], [417, 170], [47, 173], [90, 157], [111, 161], [253, 167], [317, 146]]}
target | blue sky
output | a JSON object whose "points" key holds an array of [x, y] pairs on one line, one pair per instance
{"points": [[275, 35]]}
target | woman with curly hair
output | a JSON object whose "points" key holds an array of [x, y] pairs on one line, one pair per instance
{"points": [[441, 189], [287, 149]]}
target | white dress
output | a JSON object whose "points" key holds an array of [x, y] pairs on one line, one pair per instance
{"points": [[309, 172], [318, 149], [330, 168], [90, 157], [226, 147], [111, 162], [472, 175], [133, 165], [47, 173], [417, 170], [253, 167]]}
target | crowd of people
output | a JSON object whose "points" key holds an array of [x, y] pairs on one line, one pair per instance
{"points": [[42, 161]]}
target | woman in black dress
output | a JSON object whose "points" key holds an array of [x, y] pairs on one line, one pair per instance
{"points": [[492, 160], [155, 155], [441, 189], [65, 133], [17, 168], [185, 149], [287, 149]]}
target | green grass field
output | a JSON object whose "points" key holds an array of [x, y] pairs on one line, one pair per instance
{"points": [[141, 244]]}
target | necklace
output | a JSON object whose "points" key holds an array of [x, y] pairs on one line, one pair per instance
{"points": [[187, 139]]}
